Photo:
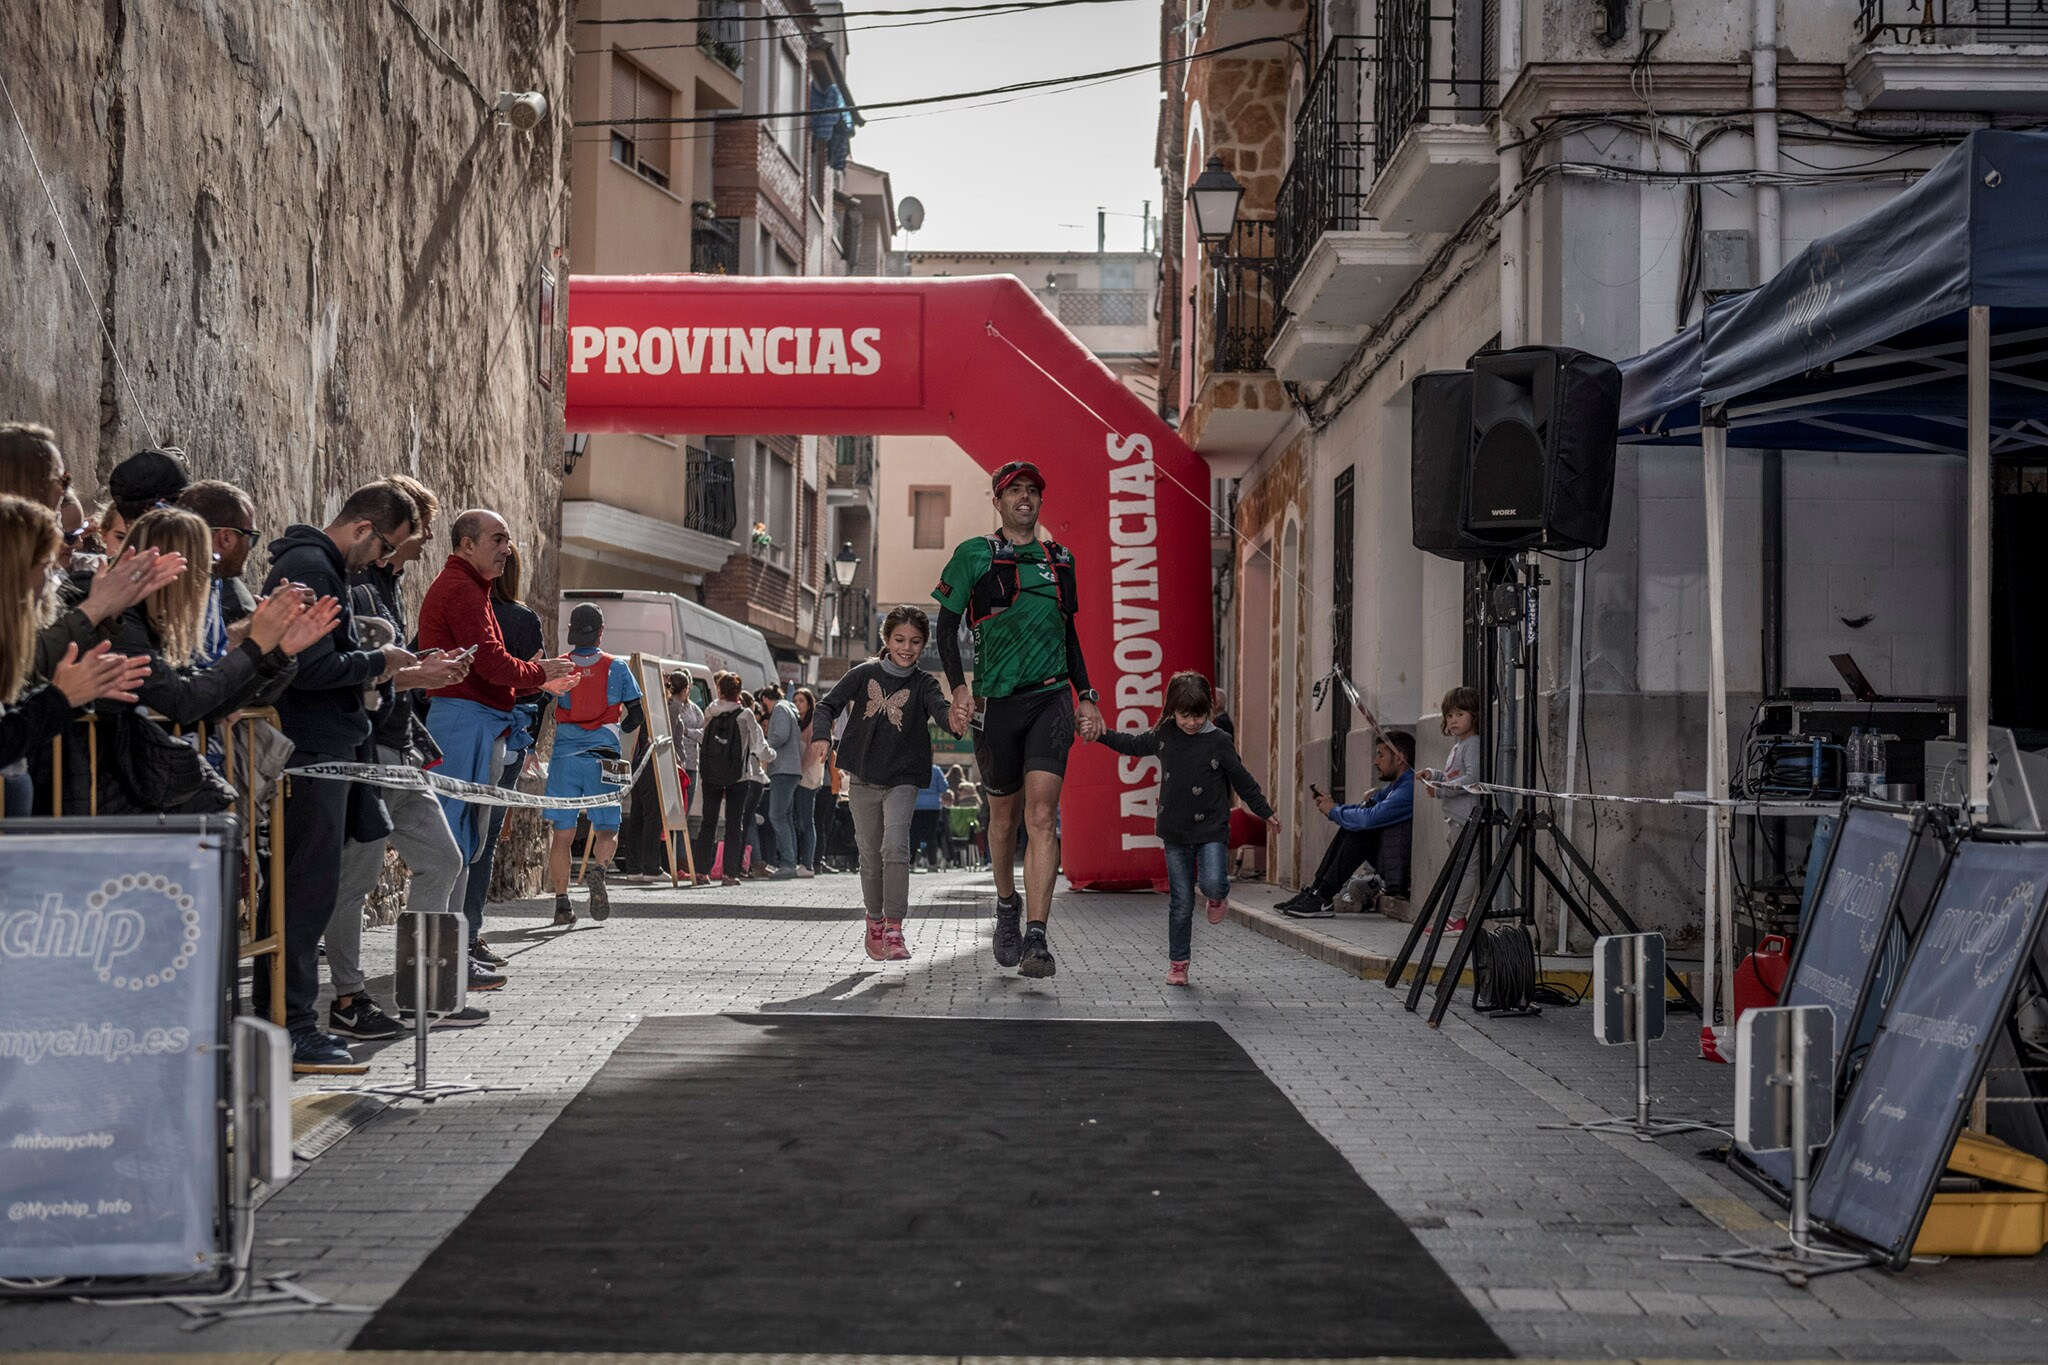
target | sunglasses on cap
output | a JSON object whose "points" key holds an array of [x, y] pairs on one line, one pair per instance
{"points": [[1015, 470]]}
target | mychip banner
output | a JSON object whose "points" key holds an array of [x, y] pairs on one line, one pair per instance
{"points": [[111, 1048], [1895, 1129]]}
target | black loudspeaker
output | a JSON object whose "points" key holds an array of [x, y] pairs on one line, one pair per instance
{"points": [[1531, 467], [1440, 443]]}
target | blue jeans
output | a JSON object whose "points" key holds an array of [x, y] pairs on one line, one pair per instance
{"points": [[782, 816], [1189, 865], [806, 828]]}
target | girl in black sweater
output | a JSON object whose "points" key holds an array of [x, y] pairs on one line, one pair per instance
{"points": [[886, 754], [1199, 768]]}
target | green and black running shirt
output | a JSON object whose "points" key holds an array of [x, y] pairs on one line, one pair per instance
{"points": [[1023, 645]]}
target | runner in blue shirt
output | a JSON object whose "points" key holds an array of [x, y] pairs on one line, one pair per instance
{"points": [[592, 720]]}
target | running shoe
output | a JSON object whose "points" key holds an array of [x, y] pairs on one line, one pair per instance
{"points": [[1456, 926], [728, 881], [1311, 909], [469, 1016], [1037, 960], [600, 899], [363, 1020], [313, 1050], [874, 940], [896, 950], [564, 915], [1176, 973], [481, 951], [1217, 910], [1300, 900], [482, 978], [1009, 932]]}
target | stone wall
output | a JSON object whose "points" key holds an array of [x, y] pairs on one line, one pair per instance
{"points": [[315, 252]]}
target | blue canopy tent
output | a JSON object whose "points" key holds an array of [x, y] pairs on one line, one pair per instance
{"points": [[1922, 327]]}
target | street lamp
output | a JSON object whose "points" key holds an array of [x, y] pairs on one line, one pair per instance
{"points": [[575, 444], [1213, 199], [843, 567]]}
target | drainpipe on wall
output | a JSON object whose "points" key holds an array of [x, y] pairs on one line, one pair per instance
{"points": [[1763, 105], [1513, 326]]}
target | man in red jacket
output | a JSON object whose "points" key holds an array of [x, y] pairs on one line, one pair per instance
{"points": [[469, 720]]}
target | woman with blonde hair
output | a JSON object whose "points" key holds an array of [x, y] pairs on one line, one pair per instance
{"points": [[31, 714], [167, 627]]}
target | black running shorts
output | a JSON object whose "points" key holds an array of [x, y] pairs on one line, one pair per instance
{"points": [[1027, 733]]}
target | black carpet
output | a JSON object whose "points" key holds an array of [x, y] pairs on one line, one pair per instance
{"points": [[818, 1183]]}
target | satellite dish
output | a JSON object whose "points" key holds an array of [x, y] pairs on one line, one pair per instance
{"points": [[910, 213]]}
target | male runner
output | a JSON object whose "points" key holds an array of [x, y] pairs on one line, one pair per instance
{"points": [[1017, 594]]}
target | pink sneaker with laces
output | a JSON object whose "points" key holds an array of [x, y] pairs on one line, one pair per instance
{"points": [[1177, 974], [1218, 909], [894, 948], [877, 946]]}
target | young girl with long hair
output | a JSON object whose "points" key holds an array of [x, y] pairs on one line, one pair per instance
{"points": [[886, 754], [1199, 769], [32, 714], [168, 625]]}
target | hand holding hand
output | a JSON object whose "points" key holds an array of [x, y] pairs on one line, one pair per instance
{"points": [[819, 749], [99, 675], [1089, 717], [311, 625], [1273, 823], [962, 711]]}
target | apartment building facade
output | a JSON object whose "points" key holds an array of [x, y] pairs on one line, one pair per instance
{"points": [[931, 494], [1425, 179], [744, 522]]}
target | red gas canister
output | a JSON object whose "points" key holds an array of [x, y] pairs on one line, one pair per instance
{"points": [[1760, 977]]}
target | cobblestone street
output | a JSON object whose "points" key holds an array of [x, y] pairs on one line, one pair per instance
{"points": [[1554, 1235]]}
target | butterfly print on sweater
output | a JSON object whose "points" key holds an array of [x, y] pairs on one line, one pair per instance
{"points": [[893, 703]]}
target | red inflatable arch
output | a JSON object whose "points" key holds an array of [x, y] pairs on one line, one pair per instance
{"points": [[978, 360]]}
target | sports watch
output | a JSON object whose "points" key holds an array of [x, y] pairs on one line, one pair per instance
{"points": [[1089, 695]]}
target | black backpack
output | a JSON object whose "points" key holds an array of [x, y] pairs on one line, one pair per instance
{"points": [[722, 756]]}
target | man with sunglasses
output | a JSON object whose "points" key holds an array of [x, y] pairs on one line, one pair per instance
{"points": [[231, 516], [322, 714], [1017, 594]]}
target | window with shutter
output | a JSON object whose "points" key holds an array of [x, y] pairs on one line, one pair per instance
{"points": [[928, 507], [641, 147]]}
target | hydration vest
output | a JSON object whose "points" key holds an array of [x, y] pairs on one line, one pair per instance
{"points": [[997, 588], [588, 703]]}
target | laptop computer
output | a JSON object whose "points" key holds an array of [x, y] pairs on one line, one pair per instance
{"points": [[1859, 686]]}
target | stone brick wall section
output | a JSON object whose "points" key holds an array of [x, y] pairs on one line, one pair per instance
{"points": [[316, 253]]}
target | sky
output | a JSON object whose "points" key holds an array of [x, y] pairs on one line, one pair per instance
{"points": [[1023, 175]]}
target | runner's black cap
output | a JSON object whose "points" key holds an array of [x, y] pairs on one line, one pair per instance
{"points": [[1015, 470], [586, 624]]}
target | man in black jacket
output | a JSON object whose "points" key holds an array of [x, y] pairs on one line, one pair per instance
{"points": [[322, 714], [419, 829]]}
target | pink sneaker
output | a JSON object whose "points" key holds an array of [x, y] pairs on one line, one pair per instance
{"points": [[876, 944], [895, 949], [1177, 974], [1217, 910], [1456, 926]]}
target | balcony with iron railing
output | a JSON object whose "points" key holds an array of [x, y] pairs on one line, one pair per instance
{"points": [[715, 246], [721, 32], [710, 503], [1240, 404], [1978, 56], [1392, 149]]}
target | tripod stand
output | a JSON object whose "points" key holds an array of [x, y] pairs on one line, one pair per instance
{"points": [[1510, 601]]}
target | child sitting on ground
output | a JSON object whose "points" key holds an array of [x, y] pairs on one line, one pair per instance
{"points": [[1452, 784], [1199, 768]]}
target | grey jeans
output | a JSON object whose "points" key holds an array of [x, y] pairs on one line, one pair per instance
{"points": [[881, 825], [420, 833]]}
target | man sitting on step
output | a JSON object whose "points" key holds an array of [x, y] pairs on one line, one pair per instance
{"points": [[1373, 835]]}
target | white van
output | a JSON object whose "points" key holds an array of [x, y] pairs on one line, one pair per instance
{"points": [[674, 628]]}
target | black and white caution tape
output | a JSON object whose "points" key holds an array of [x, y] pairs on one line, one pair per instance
{"points": [[475, 793], [1692, 802]]}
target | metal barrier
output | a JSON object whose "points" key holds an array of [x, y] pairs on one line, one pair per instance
{"points": [[242, 731]]}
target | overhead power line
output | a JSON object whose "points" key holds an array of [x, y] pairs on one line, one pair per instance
{"points": [[1012, 5], [1048, 83], [830, 30]]}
